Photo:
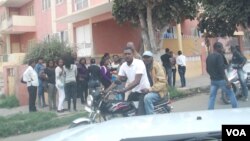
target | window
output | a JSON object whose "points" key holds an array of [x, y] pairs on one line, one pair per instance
{"points": [[30, 11], [80, 4], [46, 4], [59, 1], [62, 36]]}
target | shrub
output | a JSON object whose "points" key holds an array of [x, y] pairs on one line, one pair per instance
{"points": [[49, 50], [35, 121], [174, 93], [9, 102]]}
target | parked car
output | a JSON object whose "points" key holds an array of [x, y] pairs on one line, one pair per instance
{"points": [[196, 125], [246, 68]]}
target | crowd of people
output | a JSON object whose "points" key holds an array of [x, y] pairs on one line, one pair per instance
{"points": [[146, 80], [169, 62]]}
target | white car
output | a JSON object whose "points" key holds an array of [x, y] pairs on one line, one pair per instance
{"points": [[201, 125]]}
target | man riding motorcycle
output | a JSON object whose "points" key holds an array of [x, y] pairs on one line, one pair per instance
{"points": [[157, 80], [135, 72]]}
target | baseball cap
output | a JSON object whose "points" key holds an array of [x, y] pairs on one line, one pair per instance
{"points": [[148, 53]]}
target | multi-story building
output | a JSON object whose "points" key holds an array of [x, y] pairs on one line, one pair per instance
{"points": [[87, 25]]}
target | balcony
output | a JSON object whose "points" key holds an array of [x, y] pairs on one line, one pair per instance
{"points": [[18, 24], [13, 58], [87, 12], [13, 3]]}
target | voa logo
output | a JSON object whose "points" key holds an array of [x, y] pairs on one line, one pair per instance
{"points": [[236, 132]]}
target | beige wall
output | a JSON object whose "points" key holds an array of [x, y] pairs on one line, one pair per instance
{"points": [[191, 46]]}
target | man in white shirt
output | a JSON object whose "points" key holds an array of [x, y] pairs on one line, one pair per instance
{"points": [[31, 79], [181, 62], [135, 72]]}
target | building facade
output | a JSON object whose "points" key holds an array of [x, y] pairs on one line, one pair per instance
{"points": [[86, 25]]}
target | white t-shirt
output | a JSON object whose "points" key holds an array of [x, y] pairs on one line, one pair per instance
{"points": [[70, 74], [137, 67], [30, 76], [181, 60]]}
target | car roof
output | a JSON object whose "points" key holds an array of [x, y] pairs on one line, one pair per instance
{"points": [[155, 125]]}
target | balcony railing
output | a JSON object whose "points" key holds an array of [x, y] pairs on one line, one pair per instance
{"points": [[16, 58], [18, 21]]}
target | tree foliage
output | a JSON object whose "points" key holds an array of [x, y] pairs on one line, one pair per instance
{"points": [[221, 17], [160, 13], [49, 50]]}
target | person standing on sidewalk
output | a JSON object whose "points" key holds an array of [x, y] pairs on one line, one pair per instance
{"points": [[238, 61], [40, 71], [59, 72], [215, 65], [70, 71], [165, 58], [181, 62], [82, 80], [51, 78], [31, 78]]}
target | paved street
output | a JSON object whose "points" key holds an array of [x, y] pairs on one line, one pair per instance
{"points": [[200, 102], [192, 103]]}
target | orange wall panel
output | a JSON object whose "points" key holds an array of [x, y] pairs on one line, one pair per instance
{"points": [[112, 38]]}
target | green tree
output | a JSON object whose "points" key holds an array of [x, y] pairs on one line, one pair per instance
{"points": [[49, 50], [153, 15], [221, 17]]}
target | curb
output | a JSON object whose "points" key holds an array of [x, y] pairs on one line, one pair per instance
{"points": [[186, 92]]}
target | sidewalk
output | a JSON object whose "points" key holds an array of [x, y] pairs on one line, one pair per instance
{"points": [[195, 85], [200, 83], [196, 82], [25, 109]]}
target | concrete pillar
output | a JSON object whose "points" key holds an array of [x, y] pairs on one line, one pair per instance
{"points": [[70, 25], [91, 37], [179, 37], [53, 15], [8, 44]]}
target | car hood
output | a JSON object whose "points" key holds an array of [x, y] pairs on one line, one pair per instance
{"points": [[155, 125]]}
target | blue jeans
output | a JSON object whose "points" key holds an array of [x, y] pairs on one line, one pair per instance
{"points": [[242, 82], [182, 71], [149, 101], [41, 99], [170, 75], [215, 85]]}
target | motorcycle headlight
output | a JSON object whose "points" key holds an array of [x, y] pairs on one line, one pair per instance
{"points": [[90, 100]]}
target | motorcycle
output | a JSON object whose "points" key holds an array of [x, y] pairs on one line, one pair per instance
{"points": [[102, 107], [232, 76]]}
